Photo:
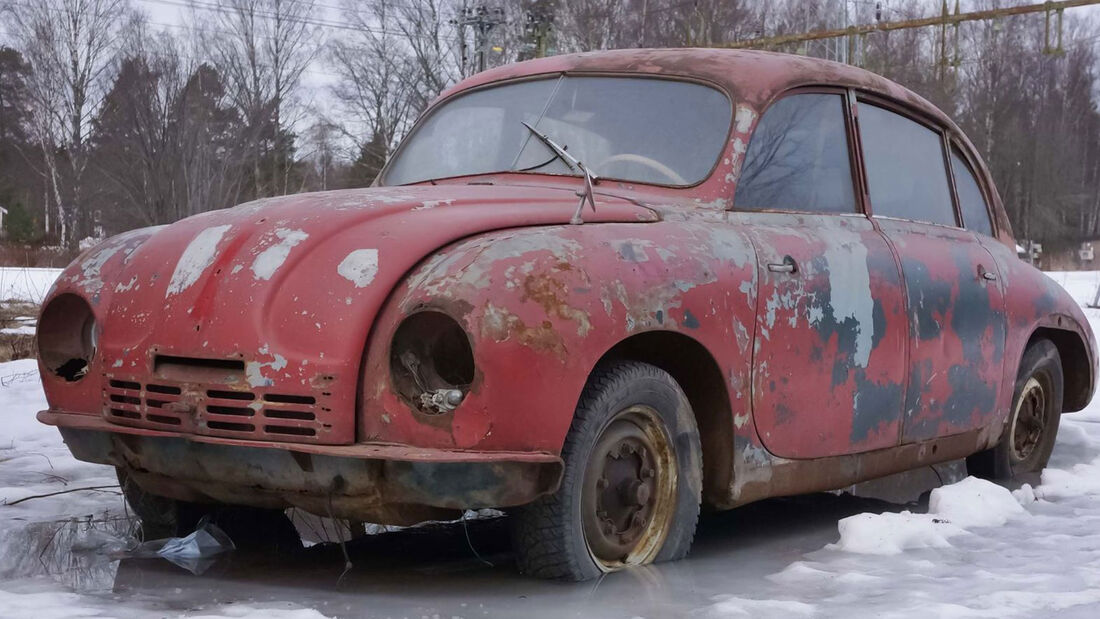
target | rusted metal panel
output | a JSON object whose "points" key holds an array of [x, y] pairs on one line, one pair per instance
{"points": [[542, 306], [285, 288], [349, 487], [829, 360], [957, 329], [270, 325]]}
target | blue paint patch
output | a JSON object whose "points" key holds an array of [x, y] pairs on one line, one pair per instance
{"points": [[690, 321]]}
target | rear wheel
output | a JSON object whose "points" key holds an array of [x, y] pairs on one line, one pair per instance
{"points": [[631, 488], [1032, 427]]}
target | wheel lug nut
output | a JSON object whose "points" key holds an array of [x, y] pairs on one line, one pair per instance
{"points": [[638, 519], [647, 473], [608, 528], [602, 483]]}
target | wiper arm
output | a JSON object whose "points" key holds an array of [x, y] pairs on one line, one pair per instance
{"points": [[587, 194]]}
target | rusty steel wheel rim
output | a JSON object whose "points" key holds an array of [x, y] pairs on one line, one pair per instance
{"points": [[1029, 420], [629, 490]]}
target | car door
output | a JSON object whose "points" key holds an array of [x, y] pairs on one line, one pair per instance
{"points": [[828, 362], [954, 300]]}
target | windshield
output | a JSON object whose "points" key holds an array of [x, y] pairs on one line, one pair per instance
{"points": [[645, 130]]}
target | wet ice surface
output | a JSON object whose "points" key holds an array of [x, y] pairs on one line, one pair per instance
{"points": [[819, 555]]}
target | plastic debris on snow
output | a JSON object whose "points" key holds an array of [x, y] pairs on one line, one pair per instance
{"points": [[195, 552], [952, 509]]}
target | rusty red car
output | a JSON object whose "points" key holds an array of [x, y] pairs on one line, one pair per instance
{"points": [[598, 292]]}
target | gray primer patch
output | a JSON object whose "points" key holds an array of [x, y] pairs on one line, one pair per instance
{"points": [[195, 259], [269, 260], [359, 267]]}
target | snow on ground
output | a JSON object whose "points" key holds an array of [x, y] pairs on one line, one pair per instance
{"points": [[26, 283], [976, 549]]}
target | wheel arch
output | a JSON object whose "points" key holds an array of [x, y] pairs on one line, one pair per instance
{"points": [[1077, 365], [697, 372]]}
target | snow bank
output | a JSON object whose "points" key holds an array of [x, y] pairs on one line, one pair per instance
{"points": [[53, 604], [732, 606], [892, 533], [26, 283], [974, 502], [952, 509]]}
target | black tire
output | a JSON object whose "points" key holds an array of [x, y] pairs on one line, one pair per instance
{"points": [[160, 516], [616, 430], [248, 527], [1029, 434]]}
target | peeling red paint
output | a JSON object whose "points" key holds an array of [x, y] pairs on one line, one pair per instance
{"points": [[847, 346]]}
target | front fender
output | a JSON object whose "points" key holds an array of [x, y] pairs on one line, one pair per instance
{"points": [[541, 306]]}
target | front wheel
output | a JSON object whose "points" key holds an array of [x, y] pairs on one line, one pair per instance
{"points": [[1032, 427], [631, 488]]}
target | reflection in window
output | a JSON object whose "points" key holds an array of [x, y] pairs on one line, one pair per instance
{"points": [[906, 175], [647, 130], [971, 203], [798, 158]]}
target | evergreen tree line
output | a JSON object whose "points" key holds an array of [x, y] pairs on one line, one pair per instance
{"points": [[111, 121]]}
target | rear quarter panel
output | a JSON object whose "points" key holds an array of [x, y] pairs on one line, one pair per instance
{"points": [[1034, 301]]}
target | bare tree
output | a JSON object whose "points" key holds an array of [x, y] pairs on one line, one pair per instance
{"points": [[261, 48], [70, 47]]}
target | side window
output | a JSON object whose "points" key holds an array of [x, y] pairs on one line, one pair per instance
{"points": [[797, 158], [975, 213], [906, 175]]}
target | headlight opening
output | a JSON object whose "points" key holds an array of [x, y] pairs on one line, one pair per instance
{"points": [[68, 336], [431, 362]]}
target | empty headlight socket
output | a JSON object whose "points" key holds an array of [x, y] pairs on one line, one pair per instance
{"points": [[431, 362], [67, 336]]}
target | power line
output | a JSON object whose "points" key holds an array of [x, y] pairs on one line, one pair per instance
{"points": [[944, 19]]}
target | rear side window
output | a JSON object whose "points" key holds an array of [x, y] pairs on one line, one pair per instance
{"points": [[797, 159], [906, 175], [975, 214]]}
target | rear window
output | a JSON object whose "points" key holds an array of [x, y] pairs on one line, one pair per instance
{"points": [[906, 173], [975, 212], [797, 159]]}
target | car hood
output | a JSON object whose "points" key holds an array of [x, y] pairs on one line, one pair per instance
{"points": [[295, 280]]}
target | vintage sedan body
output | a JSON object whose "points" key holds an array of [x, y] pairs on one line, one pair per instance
{"points": [[602, 289]]}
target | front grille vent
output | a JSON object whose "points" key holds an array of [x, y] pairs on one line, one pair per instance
{"points": [[216, 412]]}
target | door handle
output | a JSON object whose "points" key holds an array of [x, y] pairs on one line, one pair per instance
{"points": [[787, 266], [988, 276]]}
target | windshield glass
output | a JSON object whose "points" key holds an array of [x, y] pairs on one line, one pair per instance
{"points": [[644, 130]]}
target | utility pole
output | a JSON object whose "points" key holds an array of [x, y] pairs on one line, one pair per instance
{"points": [[537, 29], [483, 20]]}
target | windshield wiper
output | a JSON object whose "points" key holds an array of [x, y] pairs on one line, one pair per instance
{"points": [[587, 194]]}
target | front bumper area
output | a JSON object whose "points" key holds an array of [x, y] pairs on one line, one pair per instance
{"points": [[382, 483]]}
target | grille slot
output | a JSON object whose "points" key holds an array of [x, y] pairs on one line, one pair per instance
{"points": [[165, 419], [230, 395], [125, 384], [125, 399], [289, 399], [117, 412], [165, 389], [290, 430], [231, 427], [281, 414], [238, 411]]}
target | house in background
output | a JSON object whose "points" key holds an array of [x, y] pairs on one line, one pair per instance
{"points": [[3, 230]]}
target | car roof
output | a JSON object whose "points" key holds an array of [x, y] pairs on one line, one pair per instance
{"points": [[749, 76]]}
